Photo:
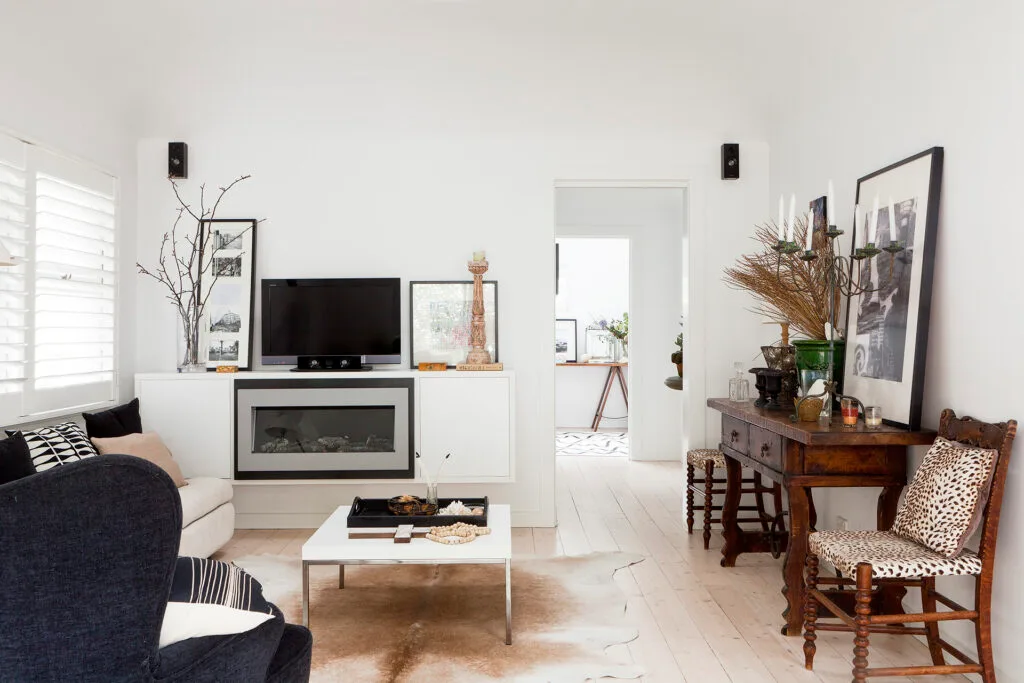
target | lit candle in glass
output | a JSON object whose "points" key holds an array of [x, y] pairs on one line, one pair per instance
{"points": [[873, 416]]}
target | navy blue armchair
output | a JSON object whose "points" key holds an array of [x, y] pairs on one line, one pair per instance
{"points": [[87, 552]]}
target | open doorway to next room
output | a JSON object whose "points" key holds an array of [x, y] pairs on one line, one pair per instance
{"points": [[592, 345]]}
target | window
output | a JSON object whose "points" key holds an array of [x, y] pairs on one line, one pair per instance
{"points": [[58, 304]]}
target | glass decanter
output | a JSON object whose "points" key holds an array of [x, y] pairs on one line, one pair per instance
{"points": [[739, 385]]}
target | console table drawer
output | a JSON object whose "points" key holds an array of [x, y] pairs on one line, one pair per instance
{"points": [[734, 434], [766, 446]]}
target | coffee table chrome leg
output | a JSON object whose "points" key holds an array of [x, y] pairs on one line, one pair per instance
{"points": [[341, 576], [305, 594], [508, 602]]}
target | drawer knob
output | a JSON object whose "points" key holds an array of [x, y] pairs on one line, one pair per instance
{"points": [[734, 436], [765, 448]]}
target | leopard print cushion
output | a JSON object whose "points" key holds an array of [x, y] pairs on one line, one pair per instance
{"points": [[890, 556], [699, 456], [946, 500]]}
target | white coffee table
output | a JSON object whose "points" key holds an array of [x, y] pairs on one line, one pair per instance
{"points": [[331, 545]]}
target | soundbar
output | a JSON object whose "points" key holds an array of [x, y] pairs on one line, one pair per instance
{"points": [[330, 364]]}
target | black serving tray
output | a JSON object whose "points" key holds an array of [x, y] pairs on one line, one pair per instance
{"points": [[373, 513]]}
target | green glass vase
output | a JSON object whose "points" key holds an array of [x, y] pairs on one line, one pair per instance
{"points": [[812, 361]]}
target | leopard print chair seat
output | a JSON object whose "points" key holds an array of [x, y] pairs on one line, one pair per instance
{"points": [[890, 556]]}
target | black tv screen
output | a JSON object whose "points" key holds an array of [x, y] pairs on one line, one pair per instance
{"points": [[357, 317]]}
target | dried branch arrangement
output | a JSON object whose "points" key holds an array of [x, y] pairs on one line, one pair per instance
{"points": [[788, 289], [185, 264]]}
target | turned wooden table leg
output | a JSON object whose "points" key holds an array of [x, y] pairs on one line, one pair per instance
{"points": [[796, 559], [730, 529]]}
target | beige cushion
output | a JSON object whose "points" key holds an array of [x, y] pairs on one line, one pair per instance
{"points": [[946, 500], [147, 446]]}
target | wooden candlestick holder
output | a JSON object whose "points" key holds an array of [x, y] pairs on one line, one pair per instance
{"points": [[478, 358]]}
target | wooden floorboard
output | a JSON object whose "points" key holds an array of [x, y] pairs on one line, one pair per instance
{"points": [[697, 622]]}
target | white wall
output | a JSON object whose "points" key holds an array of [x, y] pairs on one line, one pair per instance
{"points": [[62, 89], [654, 219], [396, 142], [946, 74], [593, 285]]}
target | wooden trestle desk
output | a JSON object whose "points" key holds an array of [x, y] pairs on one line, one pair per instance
{"points": [[802, 456]]}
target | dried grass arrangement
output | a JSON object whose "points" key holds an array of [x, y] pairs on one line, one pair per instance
{"points": [[786, 288]]}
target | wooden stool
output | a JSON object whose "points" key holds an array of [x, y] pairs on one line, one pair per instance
{"points": [[710, 459]]}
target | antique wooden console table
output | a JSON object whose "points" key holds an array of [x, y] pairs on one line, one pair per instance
{"points": [[802, 456]]}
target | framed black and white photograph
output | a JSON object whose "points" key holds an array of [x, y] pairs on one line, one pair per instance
{"points": [[229, 308], [440, 314], [887, 326], [565, 340]]}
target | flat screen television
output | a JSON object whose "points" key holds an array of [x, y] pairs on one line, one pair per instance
{"points": [[338, 317]]}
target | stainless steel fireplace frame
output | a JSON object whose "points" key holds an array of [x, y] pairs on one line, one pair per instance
{"points": [[407, 472]]}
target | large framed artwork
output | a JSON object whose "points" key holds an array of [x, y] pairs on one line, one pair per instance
{"points": [[229, 306], [887, 327], [565, 340], [440, 314]]}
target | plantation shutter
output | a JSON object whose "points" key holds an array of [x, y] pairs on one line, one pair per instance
{"points": [[14, 233], [74, 285]]}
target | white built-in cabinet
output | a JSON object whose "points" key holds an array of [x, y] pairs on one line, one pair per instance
{"points": [[470, 415]]}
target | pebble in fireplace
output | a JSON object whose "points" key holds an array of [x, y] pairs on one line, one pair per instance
{"points": [[327, 444]]}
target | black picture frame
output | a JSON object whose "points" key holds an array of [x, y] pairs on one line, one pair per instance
{"points": [[246, 261], [451, 361], [887, 328], [571, 352]]}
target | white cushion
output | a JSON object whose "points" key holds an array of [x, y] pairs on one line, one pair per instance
{"points": [[183, 621], [209, 533], [202, 496]]}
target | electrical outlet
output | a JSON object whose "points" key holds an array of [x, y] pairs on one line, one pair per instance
{"points": [[842, 523]]}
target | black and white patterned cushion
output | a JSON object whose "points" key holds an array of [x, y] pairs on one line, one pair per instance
{"points": [[946, 499], [890, 555], [212, 598], [57, 445]]}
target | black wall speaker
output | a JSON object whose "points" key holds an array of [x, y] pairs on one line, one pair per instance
{"points": [[177, 160], [730, 161]]}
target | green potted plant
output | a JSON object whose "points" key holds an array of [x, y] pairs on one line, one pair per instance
{"points": [[677, 356]]}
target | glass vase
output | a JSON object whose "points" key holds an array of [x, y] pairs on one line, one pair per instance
{"points": [[193, 345]]}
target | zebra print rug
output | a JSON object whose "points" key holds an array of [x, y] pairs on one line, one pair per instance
{"points": [[592, 443]]}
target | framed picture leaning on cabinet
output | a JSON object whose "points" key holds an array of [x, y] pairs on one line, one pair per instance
{"points": [[229, 310], [440, 317]]}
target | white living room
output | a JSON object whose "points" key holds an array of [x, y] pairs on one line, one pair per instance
{"points": [[279, 281]]}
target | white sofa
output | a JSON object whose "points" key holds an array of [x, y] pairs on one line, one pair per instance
{"points": [[207, 516]]}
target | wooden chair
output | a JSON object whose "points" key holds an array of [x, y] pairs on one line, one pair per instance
{"points": [[710, 459], [887, 557]]}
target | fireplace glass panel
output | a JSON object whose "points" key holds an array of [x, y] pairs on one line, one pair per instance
{"points": [[320, 429]]}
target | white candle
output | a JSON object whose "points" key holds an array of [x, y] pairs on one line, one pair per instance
{"points": [[874, 222], [792, 217], [782, 218], [479, 255], [830, 206], [858, 232], [892, 220], [810, 230]]}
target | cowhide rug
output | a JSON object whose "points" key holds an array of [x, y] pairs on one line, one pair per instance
{"points": [[447, 623]]}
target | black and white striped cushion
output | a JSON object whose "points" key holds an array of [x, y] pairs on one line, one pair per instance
{"points": [[57, 445]]}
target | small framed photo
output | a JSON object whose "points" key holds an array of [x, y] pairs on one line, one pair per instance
{"points": [[441, 314], [565, 340], [229, 302]]}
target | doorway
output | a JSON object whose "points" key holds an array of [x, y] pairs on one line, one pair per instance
{"points": [[592, 346], [650, 221]]}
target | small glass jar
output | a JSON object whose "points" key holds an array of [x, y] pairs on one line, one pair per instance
{"points": [[848, 406], [873, 416], [739, 386], [431, 493]]}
